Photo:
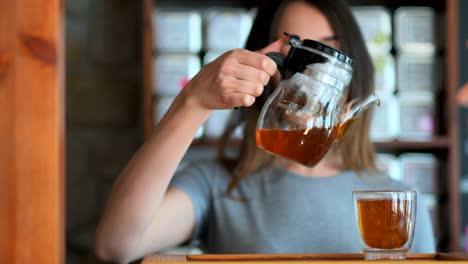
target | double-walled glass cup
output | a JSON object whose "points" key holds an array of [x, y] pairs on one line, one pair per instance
{"points": [[386, 222]]}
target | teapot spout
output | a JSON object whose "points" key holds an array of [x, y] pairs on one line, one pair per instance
{"points": [[353, 109]]}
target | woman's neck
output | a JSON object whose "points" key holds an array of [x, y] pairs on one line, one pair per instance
{"points": [[328, 166]]}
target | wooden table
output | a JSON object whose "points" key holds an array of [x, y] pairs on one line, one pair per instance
{"points": [[297, 259]]}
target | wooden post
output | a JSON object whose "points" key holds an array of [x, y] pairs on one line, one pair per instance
{"points": [[31, 131], [147, 54], [453, 180]]}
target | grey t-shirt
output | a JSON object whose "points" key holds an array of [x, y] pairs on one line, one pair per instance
{"points": [[284, 212]]}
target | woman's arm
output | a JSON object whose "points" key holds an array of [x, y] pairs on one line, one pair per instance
{"points": [[141, 216], [136, 199]]}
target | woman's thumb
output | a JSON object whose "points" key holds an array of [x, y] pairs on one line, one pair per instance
{"points": [[274, 46]]}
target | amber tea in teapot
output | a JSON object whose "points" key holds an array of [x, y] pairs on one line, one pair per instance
{"points": [[305, 115], [306, 146]]}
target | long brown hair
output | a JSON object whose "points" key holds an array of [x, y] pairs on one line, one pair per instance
{"points": [[355, 149]]}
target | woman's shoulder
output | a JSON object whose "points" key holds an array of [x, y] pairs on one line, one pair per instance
{"points": [[200, 177], [207, 169], [202, 164]]}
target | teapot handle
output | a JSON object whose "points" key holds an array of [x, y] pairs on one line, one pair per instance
{"points": [[278, 58]]}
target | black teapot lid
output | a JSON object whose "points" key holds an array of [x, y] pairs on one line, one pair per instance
{"points": [[294, 39]]}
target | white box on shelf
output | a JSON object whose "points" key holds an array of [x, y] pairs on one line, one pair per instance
{"points": [[417, 116], [226, 28], [160, 107], [420, 170], [173, 71], [384, 74], [376, 26], [177, 31], [385, 123], [415, 29], [212, 55], [389, 164], [417, 72]]}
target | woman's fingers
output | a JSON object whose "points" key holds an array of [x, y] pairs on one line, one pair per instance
{"points": [[254, 59], [247, 87], [239, 99], [240, 92], [247, 73]]}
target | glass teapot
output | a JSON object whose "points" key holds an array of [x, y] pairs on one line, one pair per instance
{"points": [[304, 115]]}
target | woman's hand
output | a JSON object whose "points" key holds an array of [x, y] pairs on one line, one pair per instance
{"points": [[234, 79]]}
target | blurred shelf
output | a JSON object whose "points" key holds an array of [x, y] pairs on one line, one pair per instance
{"points": [[439, 5], [441, 142], [205, 4]]}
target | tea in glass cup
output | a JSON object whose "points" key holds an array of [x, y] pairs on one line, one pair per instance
{"points": [[386, 222]]}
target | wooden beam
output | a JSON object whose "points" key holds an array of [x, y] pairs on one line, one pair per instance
{"points": [[31, 131]]}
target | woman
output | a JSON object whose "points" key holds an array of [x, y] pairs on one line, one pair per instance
{"points": [[256, 203]]}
